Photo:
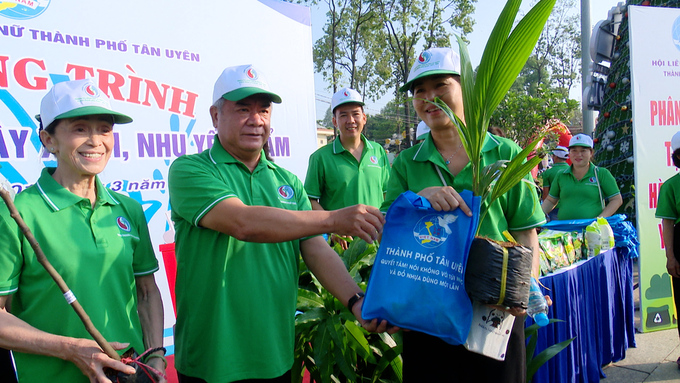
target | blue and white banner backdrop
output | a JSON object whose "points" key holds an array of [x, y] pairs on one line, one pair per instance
{"points": [[158, 63], [655, 91]]}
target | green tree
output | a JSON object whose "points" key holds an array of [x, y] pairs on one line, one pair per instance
{"points": [[555, 61], [389, 123], [520, 114], [408, 23], [540, 93]]}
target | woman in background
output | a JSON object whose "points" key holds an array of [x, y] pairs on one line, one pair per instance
{"points": [[583, 190]]}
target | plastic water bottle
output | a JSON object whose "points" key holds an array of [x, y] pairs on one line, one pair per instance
{"points": [[537, 306]]}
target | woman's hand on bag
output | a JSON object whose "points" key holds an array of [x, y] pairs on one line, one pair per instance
{"points": [[514, 311], [518, 311], [372, 325], [445, 198], [91, 360]]}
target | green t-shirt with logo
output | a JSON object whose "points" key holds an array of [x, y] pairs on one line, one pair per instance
{"points": [[338, 180], [422, 166], [98, 252], [668, 205], [584, 198], [236, 300]]}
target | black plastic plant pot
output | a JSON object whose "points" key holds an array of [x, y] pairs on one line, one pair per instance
{"points": [[498, 273]]}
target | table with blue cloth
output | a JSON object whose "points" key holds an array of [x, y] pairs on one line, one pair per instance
{"points": [[594, 297]]}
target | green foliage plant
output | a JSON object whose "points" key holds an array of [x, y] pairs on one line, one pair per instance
{"points": [[504, 56], [329, 342], [535, 362]]}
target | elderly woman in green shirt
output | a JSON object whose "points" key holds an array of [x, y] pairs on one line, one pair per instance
{"points": [[98, 240]]}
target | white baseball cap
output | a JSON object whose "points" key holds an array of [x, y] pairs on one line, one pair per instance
{"points": [[76, 98], [422, 130], [238, 82], [345, 96], [581, 140], [675, 142], [433, 61], [561, 152]]}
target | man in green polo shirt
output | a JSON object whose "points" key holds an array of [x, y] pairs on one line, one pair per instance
{"points": [[583, 190], [241, 222], [351, 169]]}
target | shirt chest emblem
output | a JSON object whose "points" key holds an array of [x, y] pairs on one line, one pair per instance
{"points": [[286, 192], [123, 224]]}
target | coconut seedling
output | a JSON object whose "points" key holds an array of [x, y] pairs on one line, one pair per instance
{"points": [[505, 54]]}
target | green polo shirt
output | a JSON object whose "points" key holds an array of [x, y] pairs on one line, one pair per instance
{"points": [[338, 180], [668, 205], [236, 300], [549, 174], [417, 168], [580, 199], [98, 253]]}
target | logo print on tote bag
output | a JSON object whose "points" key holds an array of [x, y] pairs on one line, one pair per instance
{"points": [[433, 230]]}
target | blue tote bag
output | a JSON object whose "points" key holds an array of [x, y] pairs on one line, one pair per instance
{"points": [[417, 281]]}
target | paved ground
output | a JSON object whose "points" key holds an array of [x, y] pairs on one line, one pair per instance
{"points": [[653, 360]]}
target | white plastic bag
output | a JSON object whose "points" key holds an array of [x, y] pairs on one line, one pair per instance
{"points": [[490, 331]]}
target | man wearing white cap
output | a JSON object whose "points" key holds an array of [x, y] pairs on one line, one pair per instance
{"points": [[559, 156], [437, 169], [241, 221], [583, 189], [351, 169]]}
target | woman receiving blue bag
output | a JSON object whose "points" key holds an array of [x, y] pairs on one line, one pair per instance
{"points": [[438, 169]]}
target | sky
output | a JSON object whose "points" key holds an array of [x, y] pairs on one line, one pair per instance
{"points": [[485, 17]]}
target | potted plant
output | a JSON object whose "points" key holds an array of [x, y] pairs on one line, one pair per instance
{"points": [[329, 343]]}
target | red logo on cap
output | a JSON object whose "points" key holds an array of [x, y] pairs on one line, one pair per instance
{"points": [[345, 93], [91, 90], [424, 57], [251, 73]]}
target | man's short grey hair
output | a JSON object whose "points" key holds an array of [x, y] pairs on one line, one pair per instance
{"points": [[218, 104]]}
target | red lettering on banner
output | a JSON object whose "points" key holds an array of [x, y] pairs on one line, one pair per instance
{"points": [[654, 194], [81, 72], [663, 245], [152, 88], [21, 75], [115, 85], [28, 3], [665, 112], [134, 90], [110, 83], [190, 102], [3, 71], [669, 153]]}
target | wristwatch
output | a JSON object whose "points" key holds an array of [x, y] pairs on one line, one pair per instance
{"points": [[354, 299]]}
